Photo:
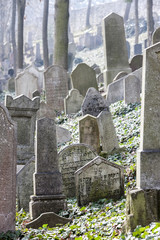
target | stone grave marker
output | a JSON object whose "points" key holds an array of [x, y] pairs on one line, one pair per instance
{"points": [[156, 36], [98, 179], [120, 75], [63, 135], [73, 102], [93, 103], [115, 47], [56, 87], [45, 111], [131, 89], [47, 179], [71, 159], [7, 171], [83, 77], [26, 83], [89, 132], [107, 132], [136, 62], [138, 49], [100, 78], [23, 111]]}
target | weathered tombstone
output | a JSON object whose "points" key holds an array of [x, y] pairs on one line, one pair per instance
{"points": [[138, 49], [71, 159], [93, 103], [63, 135], [107, 132], [156, 36], [115, 48], [56, 87], [7, 171], [89, 132], [45, 111], [100, 78], [115, 91], [25, 184], [83, 77], [98, 179], [23, 111], [136, 62], [36, 93], [131, 90], [47, 179], [148, 164], [73, 102], [26, 83], [120, 75]]}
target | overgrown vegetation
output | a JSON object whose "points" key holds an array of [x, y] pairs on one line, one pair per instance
{"points": [[103, 219]]}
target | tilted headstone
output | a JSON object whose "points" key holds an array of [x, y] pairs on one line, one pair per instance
{"points": [[131, 89], [23, 111], [120, 75], [73, 102], [107, 132], [56, 87], [136, 62], [156, 36], [47, 179], [26, 83], [115, 48], [83, 77], [98, 179], [71, 159], [93, 103], [89, 132], [138, 48], [7, 171]]}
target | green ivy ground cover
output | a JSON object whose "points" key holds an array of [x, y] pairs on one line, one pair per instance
{"points": [[103, 219]]}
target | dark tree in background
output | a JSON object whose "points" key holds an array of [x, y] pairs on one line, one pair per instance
{"points": [[45, 33]]}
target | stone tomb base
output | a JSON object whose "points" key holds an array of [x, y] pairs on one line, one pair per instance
{"points": [[46, 203], [142, 208]]}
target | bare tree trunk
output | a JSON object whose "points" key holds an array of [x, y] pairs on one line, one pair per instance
{"points": [[127, 11], [13, 36], [88, 25], [150, 21], [45, 33], [60, 55], [136, 22], [21, 9]]}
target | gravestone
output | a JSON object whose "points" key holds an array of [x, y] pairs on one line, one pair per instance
{"points": [[73, 102], [89, 132], [131, 90], [138, 49], [71, 159], [47, 179], [156, 36], [115, 91], [26, 83], [99, 179], [120, 75], [56, 87], [136, 62], [23, 111], [93, 103], [83, 77], [107, 132], [115, 48], [63, 135], [100, 78], [45, 111], [7, 172]]}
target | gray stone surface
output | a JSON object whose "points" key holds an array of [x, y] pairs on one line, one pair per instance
{"points": [[136, 62], [45, 111], [11, 84], [23, 111], [107, 132], [89, 132], [115, 47], [131, 90], [93, 103], [83, 77], [148, 163], [63, 135], [56, 87], [99, 179], [47, 179], [120, 75], [7, 171], [156, 36], [73, 102], [71, 159]]}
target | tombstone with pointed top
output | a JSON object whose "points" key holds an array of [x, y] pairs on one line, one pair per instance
{"points": [[73, 102]]}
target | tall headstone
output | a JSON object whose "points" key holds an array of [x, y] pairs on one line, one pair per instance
{"points": [[71, 159], [89, 132], [23, 111], [83, 77], [73, 102], [132, 89], [47, 179], [7, 171], [26, 83], [56, 87], [107, 132], [156, 36], [115, 48]]}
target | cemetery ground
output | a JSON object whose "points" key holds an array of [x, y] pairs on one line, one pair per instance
{"points": [[103, 219]]}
